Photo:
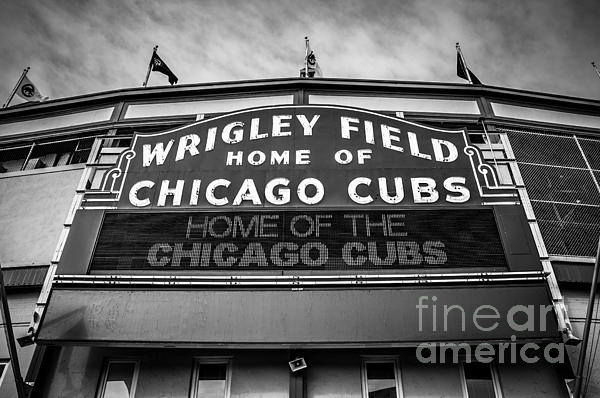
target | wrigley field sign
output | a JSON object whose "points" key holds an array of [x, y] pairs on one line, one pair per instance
{"points": [[298, 156], [300, 186]]}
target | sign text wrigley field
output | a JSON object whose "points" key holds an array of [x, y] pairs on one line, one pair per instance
{"points": [[299, 157]]}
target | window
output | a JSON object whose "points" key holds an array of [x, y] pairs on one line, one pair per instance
{"points": [[545, 115], [211, 378], [183, 108], [385, 103], [119, 379], [480, 381], [56, 122], [13, 158], [40, 155], [380, 379]]}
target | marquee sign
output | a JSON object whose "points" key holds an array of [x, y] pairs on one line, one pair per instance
{"points": [[303, 187], [291, 191], [300, 156]]}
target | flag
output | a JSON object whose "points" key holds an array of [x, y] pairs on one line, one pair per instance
{"points": [[158, 65], [311, 61], [462, 70], [29, 92]]}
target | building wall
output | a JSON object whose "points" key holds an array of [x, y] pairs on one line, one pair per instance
{"points": [[34, 205], [334, 374], [527, 381], [432, 381], [265, 374], [33, 210], [165, 372]]}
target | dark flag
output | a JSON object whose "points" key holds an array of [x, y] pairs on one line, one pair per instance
{"points": [[462, 70], [158, 65]]}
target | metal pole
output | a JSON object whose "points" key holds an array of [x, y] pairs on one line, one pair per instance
{"points": [[588, 323], [306, 57], [10, 339], [149, 67], [12, 93], [28, 156]]}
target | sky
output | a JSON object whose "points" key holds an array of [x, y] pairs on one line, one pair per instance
{"points": [[81, 47]]}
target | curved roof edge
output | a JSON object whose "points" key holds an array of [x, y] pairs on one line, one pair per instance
{"points": [[278, 84]]}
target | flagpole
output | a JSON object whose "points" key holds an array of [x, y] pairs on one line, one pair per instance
{"points": [[306, 57], [464, 62], [596, 69], [12, 94], [149, 67]]}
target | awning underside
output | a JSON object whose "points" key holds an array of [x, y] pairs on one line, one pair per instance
{"points": [[326, 317]]}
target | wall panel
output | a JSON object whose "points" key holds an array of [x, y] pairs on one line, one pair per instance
{"points": [[34, 208]]}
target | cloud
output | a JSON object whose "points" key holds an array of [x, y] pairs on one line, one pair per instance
{"points": [[83, 47]]}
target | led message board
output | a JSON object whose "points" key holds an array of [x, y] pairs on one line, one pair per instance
{"points": [[383, 239]]}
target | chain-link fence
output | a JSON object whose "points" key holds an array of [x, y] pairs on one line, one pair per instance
{"points": [[561, 174]]}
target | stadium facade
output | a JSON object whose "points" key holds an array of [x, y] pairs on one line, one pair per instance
{"points": [[300, 238]]}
